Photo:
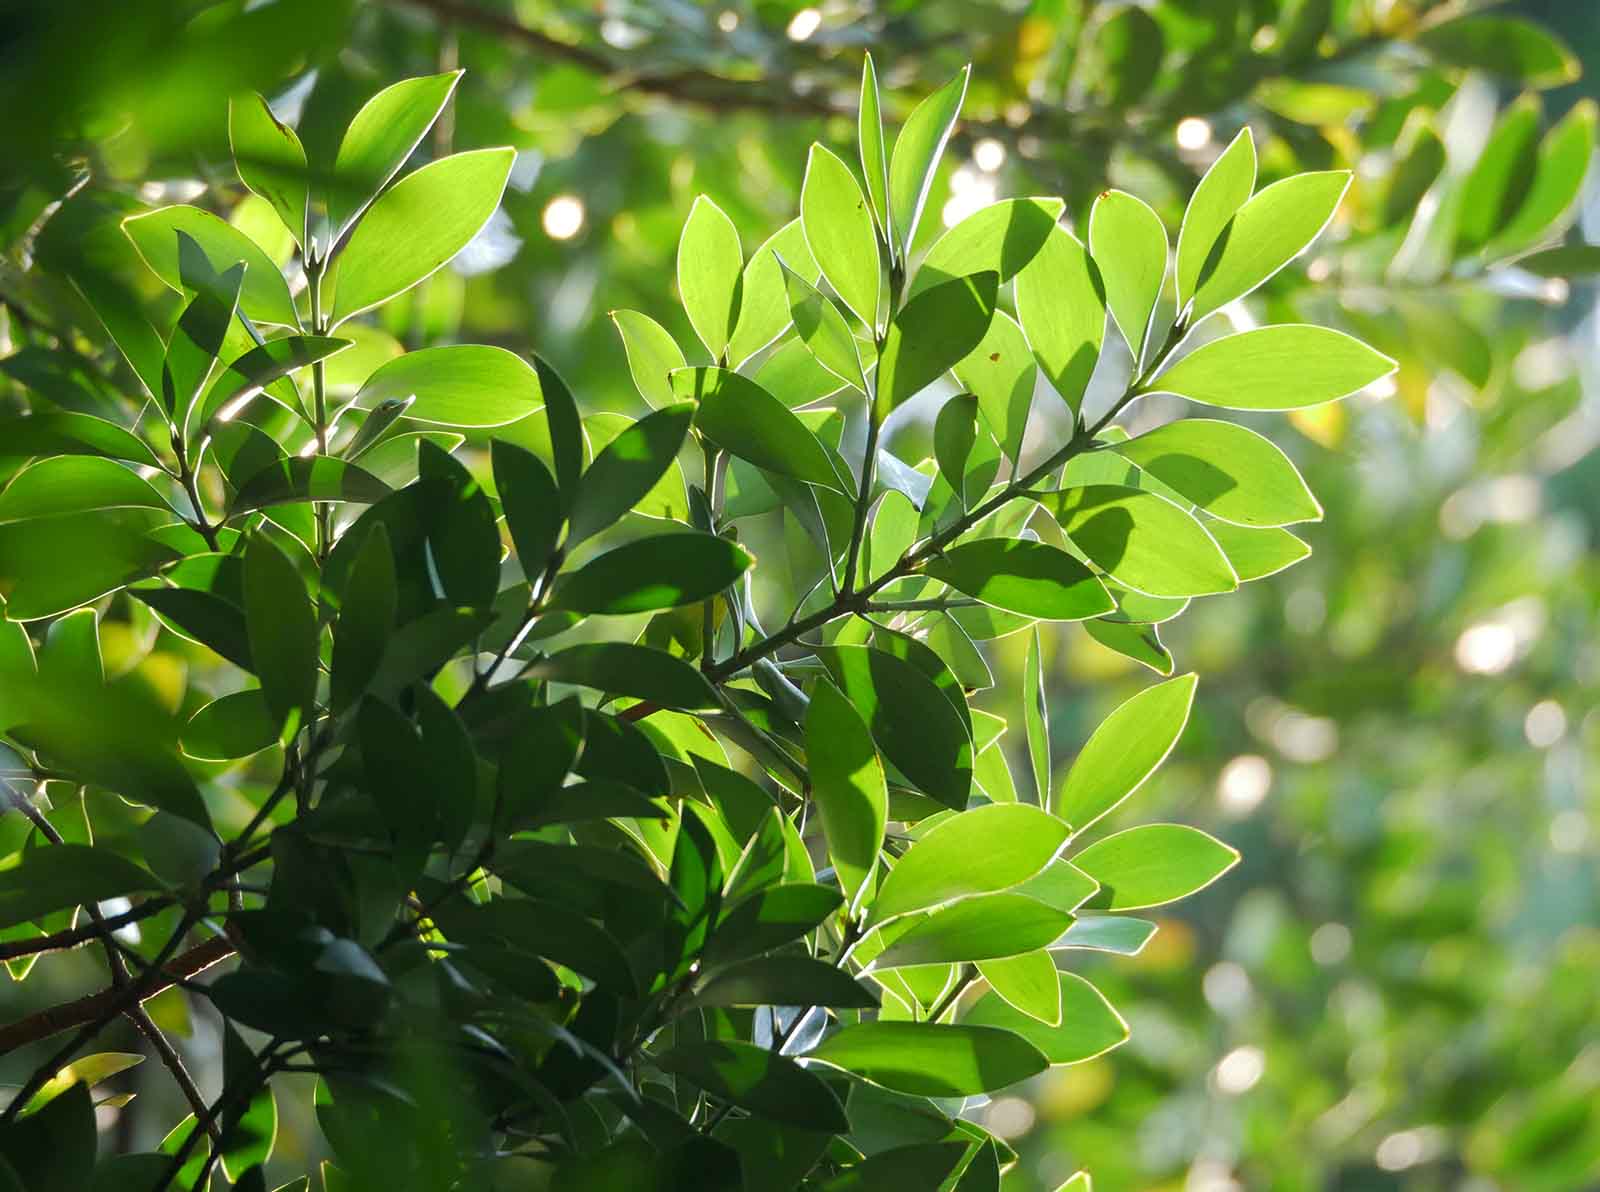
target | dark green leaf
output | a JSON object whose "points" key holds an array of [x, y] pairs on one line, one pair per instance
{"points": [[627, 469], [1031, 578], [282, 628], [931, 1060], [663, 571], [783, 980], [637, 671], [931, 335], [745, 420], [767, 1084]]}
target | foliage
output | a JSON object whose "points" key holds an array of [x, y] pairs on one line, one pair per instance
{"points": [[601, 974]]}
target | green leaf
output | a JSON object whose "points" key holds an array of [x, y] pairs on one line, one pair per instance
{"points": [[60, 432], [282, 625], [566, 430], [53, 1147], [838, 228], [1143, 540], [914, 723], [628, 468], [1256, 552], [623, 669], [1036, 718], [966, 451], [416, 226], [1274, 227], [156, 234], [75, 484], [235, 726], [197, 342], [367, 610], [56, 876], [380, 138], [1062, 308], [1141, 643], [663, 571], [745, 420], [1125, 56], [847, 782], [1571, 260], [916, 156], [768, 918], [1109, 933], [256, 370], [88, 1071], [930, 335], [763, 297], [1564, 157], [978, 928], [920, 1165], [1515, 49], [1152, 865], [769, 1085], [1124, 751], [783, 981], [1089, 1026], [1275, 368], [652, 352], [1031, 578], [980, 851], [1225, 188], [929, 1060], [531, 502], [457, 385], [1027, 982], [1229, 471], [874, 153], [1500, 177], [1129, 244], [710, 264], [1000, 238], [319, 478], [1001, 373], [823, 330], [214, 621], [270, 160], [50, 565]]}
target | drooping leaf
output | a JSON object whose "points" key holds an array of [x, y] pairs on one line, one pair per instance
{"points": [[282, 627], [158, 235], [235, 726], [765, 1083], [783, 980], [623, 669], [307, 478], [270, 160], [745, 420], [531, 502]]}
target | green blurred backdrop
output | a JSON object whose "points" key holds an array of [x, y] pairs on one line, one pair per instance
{"points": [[1398, 987]]}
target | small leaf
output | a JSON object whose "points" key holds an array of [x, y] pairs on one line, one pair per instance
{"points": [[566, 429], [769, 1085], [745, 420], [1275, 368], [763, 297], [283, 633], [783, 981], [932, 334], [652, 352], [1229, 471], [916, 156], [1217, 198], [823, 330], [663, 571], [1141, 643], [1027, 982], [457, 385], [979, 928], [976, 852], [1089, 1026], [627, 469], [929, 1060], [270, 160], [710, 262], [838, 228], [1124, 751], [1117, 934], [1031, 578], [379, 139], [1152, 865], [623, 669], [1144, 541], [197, 341], [1062, 308], [157, 235], [259, 368], [1000, 238], [416, 226], [848, 786], [1274, 227], [1129, 244], [1001, 372], [1036, 718]]}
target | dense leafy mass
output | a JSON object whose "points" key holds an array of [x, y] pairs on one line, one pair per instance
{"points": [[567, 861]]}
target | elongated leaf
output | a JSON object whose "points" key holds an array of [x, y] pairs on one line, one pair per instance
{"points": [[202, 616], [627, 469], [457, 385], [56, 876], [75, 484], [1516, 49], [259, 368], [1031, 578], [366, 618], [913, 722], [198, 340], [270, 160], [838, 228], [157, 235], [50, 565], [980, 851], [1129, 244], [1564, 157], [784, 981], [1275, 368], [847, 783], [916, 156], [745, 420], [663, 571], [929, 1060], [978, 928], [379, 140], [1000, 238], [1144, 541], [1036, 718], [1501, 175], [763, 297], [1229, 471], [710, 262], [282, 626], [308, 478], [1152, 865], [1027, 982], [920, 1165], [416, 226], [1089, 1026], [1216, 199], [1274, 227], [1118, 934], [768, 918], [622, 669], [61, 432], [652, 352], [531, 502], [823, 330], [874, 153], [767, 1084], [931, 335], [1062, 308], [1124, 751], [1255, 552]]}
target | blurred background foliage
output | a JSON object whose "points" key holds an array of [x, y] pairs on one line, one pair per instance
{"points": [[1397, 988]]}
